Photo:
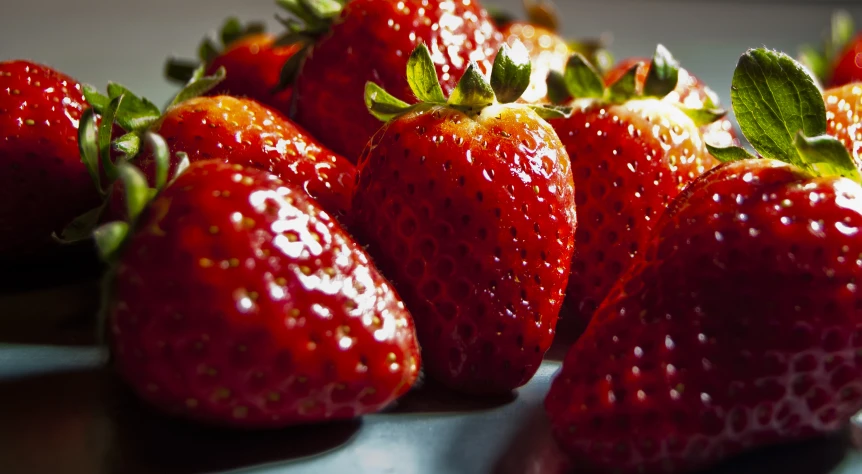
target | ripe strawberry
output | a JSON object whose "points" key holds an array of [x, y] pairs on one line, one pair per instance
{"points": [[43, 184], [737, 326], [370, 40], [632, 152], [240, 131], [267, 315], [468, 206], [837, 62], [253, 62], [843, 107]]}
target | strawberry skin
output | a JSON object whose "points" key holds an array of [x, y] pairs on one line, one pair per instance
{"points": [[371, 41], [472, 217], [242, 131], [736, 327], [629, 161], [847, 68], [253, 65], [843, 105], [266, 315], [43, 183]]}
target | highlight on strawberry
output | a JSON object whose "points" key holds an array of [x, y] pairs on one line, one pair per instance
{"points": [[467, 204], [267, 313], [737, 326], [632, 151]]}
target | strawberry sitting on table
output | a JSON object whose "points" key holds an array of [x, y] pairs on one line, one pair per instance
{"points": [[738, 324]]}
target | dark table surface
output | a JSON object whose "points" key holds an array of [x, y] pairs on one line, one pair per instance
{"points": [[61, 412]]}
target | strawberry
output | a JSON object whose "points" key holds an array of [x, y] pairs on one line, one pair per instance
{"points": [[267, 315], [252, 59], [370, 40], [835, 64], [737, 326], [468, 206], [843, 106], [632, 151], [43, 184], [239, 131]]}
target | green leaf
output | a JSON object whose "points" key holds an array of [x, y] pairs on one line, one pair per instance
{"points": [[136, 112], [728, 154], [161, 156], [510, 75], [558, 91], [180, 70], [816, 63], [109, 238], [82, 227], [231, 31], [207, 51], [382, 104], [842, 32], [291, 69], [199, 86], [422, 76], [136, 188], [298, 9], [500, 16], [323, 9], [95, 98], [473, 89], [542, 13], [626, 86], [105, 135], [128, 144], [827, 156], [773, 99], [182, 165], [663, 74], [582, 79], [703, 116], [88, 146], [549, 112]]}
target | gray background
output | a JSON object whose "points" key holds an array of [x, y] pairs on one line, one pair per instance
{"points": [[128, 40]]}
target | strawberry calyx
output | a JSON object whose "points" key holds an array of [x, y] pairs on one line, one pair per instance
{"points": [[510, 77], [310, 20], [183, 70], [581, 80], [820, 60], [781, 113]]}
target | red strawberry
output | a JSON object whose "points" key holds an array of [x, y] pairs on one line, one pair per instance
{"points": [[370, 40], [631, 154], [235, 300], [43, 184], [468, 206], [837, 62], [253, 62], [737, 326], [843, 108], [242, 131]]}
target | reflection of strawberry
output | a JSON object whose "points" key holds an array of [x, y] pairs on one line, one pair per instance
{"points": [[631, 153], [253, 63], [468, 206], [43, 184], [737, 325], [370, 40], [235, 300]]}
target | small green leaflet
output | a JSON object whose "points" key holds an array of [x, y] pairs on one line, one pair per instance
{"points": [[842, 32], [581, 78], [81, 227], [382, 104], [663, 74], [703, 116], [136, 112], [95, 98], [198, 86], [626, 86], [510, 75], [558, 91], [728, 154], [231, 31], [472, 90], [88, 146], [128, 144], [105, 136], [109, 238], [827, 156], [422, 76], [161, 155], [136, 188], [773, 99], [549, 112]]}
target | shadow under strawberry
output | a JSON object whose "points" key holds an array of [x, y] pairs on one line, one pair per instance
{"points": [[434, 397]]}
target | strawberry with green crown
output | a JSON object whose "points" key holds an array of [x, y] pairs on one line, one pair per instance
{"points": [[836, 64], [632, 151], [467, 205], [267, 313], [738, 324], [348, 44]]}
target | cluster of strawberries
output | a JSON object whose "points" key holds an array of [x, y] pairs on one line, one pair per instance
{"points": [[310, 210]]}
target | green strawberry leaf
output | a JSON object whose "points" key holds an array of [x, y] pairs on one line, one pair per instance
{"points": [[728, 154], [128, 144], [82, 227], [827, 156], [500, 16], [291, 67], [88, 145], [298, 9], [663, 74], [180, 70], [558, 91], [842, 32], [231, 31], [510, 75], [382, 104], [323, 9], [136, 112], [161, 156], [422, 76], [207, 51], [96, 99], [582, 79], [703, 116], [109, 238], [774, 98], [473, 90], [626, 86], [136, 188], [199, 85], [105, 135], [549, 112]]}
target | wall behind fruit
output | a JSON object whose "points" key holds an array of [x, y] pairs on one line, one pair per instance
{"points": [[127, 41]]}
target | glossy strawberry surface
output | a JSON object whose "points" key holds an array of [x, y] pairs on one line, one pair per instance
{"points": [[738, 326], [43, 183], [253, 69], [244, 132], [843, 105], [239, 302], [628, 161], [548, 52], [848, 67], [371, 41], [472, 217]]}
